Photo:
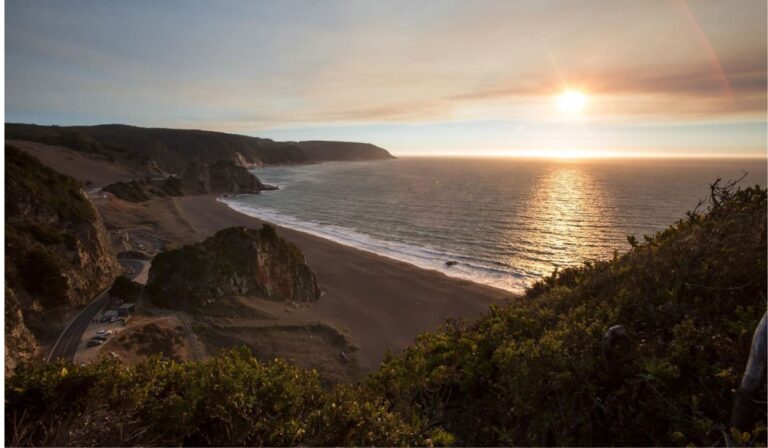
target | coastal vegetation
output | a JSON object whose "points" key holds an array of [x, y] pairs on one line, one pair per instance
{"points": [[125, 289], [643, 349]]}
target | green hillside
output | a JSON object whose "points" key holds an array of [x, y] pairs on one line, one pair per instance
{"points": [[535, 372]]}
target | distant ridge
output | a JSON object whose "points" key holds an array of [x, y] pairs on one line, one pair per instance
{"points": [[160, 150]]}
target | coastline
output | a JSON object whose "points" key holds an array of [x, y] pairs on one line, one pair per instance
{"points": [[383, 303]]}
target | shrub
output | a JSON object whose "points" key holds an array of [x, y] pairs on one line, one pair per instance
{"points": [[230, 399]]}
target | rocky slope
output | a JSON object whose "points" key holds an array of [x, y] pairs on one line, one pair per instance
{"points": [[158, 151], [235, 261], [57, 254], [223, 176]]}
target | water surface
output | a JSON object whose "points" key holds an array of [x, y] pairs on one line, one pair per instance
{"points": [[507, 222]]}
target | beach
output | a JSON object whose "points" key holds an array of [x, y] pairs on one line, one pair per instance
{"points": [[384, 303], [379, 303]]}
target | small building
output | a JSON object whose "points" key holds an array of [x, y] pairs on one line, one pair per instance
{"points": [[126, 309]]}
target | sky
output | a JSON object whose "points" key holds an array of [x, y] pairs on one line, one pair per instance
{"points": [[436, 77]]}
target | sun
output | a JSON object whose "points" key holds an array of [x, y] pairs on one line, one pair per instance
{"points": [[572, 102]]}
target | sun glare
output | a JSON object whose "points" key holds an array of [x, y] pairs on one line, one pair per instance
{"points": [[572, 101]]}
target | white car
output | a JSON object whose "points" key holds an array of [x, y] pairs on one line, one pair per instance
{"points": [[104, 332]]}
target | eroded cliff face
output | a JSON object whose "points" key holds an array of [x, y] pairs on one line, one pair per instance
{"points": [[224, 176], [235, 261], [57, 254]]}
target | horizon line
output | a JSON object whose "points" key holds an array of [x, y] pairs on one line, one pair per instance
{"points": [[576, 156]]}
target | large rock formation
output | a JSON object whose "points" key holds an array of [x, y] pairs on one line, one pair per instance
{"points": [[57, 254], [223, 176], [235, 261]]}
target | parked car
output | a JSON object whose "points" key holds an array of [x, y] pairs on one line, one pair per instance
{"points": [[99, 337], [94, 343], [104, 332]]}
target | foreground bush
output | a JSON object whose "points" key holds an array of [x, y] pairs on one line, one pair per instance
{"points": [[231, 399]]}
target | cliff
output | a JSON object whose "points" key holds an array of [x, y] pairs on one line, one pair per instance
{"points": [[57, 254], [223, 176], [156, 150], [235, 261]]}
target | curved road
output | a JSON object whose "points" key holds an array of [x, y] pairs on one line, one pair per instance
{"points": [[66, 345]]}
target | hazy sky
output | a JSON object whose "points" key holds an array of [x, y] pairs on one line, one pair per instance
{"points": [[416, 77]]}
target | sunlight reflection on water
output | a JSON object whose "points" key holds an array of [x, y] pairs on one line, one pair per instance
{"points": [[506, 222]]}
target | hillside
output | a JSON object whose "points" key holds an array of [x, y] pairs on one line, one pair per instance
{"points": [[57, 254], [156, 150], [545, 370]]}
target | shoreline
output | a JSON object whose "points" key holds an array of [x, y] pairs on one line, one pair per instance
{"points": [[381, 302], [397, 251]]}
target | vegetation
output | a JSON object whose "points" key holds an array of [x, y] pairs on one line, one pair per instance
{"points": [[231, 399], [124, 288], [144, 190], [30, 180], [539, 371], [151, 339]]}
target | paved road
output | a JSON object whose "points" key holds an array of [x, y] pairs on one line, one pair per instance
{"points": [[66, 345]]}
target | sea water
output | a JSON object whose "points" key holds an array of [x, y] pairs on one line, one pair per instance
{"points": [[505, 222]]}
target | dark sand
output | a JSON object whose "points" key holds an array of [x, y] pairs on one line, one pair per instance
{"points": [[382, 304]]}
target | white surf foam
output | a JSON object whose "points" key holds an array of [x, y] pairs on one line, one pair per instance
{"points": [[423, 257]]}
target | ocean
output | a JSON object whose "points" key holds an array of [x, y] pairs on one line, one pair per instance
{"points": [[504, 222]]}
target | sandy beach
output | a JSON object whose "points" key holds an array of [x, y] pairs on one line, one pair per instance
{"points": [[383, 303]]}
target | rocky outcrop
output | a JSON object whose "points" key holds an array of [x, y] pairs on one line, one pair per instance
{"points": [[240, 160], [20, 343], [223, 176], [57, 254], [235, 261]]}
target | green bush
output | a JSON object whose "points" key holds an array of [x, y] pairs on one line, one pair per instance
{"points": [[125, 288], [231, 399]]}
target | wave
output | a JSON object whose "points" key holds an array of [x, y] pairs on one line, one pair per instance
{"points": [[468, 268]]}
